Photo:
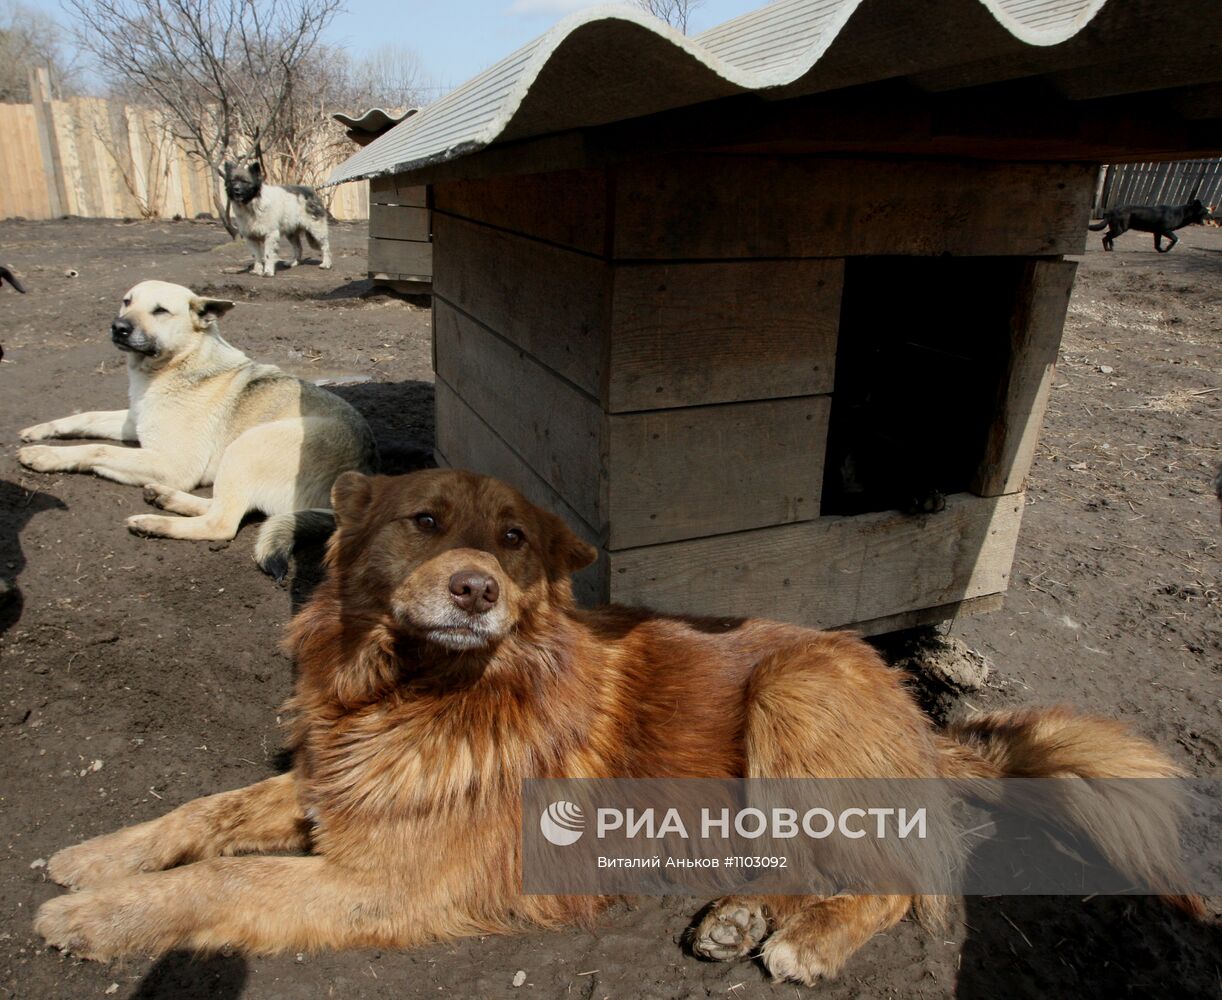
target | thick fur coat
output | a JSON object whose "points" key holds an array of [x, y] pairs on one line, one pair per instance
{"points": [[205, 414], [443, 661], [265, 212]]}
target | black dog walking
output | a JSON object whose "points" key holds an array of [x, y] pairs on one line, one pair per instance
{"points": [[1161, 220]]}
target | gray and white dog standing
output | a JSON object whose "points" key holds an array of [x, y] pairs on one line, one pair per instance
{"points": [[265, 212]]}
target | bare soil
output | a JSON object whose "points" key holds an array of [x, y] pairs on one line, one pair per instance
{"points": [[136, 674]]}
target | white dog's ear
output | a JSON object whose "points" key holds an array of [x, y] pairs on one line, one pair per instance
{"points": [[208, 309], [350, 495]]}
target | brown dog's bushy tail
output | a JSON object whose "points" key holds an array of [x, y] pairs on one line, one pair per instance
{"points": [[1134, 824], [1098, 226], [280, 532]]}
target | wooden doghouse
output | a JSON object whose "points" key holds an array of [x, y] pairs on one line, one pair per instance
{"points": [[737, 343], [400, 235], [400, 224]]}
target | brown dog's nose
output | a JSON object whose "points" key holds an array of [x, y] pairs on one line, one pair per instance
{"points": [[474, 592]]}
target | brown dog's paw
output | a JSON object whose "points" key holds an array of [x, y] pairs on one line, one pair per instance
{"points": [[793, 962], [79, 923], [733, 928], [105, 859]]}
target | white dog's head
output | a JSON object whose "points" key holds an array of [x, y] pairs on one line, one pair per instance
{"points": [[159, 321]]}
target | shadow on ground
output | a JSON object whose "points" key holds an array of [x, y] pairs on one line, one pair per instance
{"points": [[401, 417], [1051, 946], [183, 976], [17, 506]]}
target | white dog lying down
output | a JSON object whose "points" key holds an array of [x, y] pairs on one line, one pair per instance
{"points": [[205, 414]]}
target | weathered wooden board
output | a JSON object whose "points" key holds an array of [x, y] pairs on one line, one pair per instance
{"points": [[691, 334], [399, 222], [559, 431], [466, 441], [551, 302], [677, 335], [24, 187], [707, 470], [48, 141], [394, 190], [568, 207], [834, 570], [400, 257], [716, 206], [1035, 338], [929, 616], [652, 476]]}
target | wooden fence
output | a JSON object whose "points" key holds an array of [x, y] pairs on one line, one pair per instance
{"points": [[91, 157], [1160, 184]]}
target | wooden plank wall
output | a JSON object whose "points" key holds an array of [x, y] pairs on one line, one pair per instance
{"points": [[400, 232], [23, 187], [649, 350], [100, 159]]}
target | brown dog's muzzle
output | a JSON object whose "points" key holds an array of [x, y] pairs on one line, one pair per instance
{"points": [[461, 599]]}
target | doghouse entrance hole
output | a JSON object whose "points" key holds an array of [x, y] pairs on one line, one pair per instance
{"points": [[920, 356]]}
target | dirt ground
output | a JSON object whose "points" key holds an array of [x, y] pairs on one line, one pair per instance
{"points": [[137, 674]]}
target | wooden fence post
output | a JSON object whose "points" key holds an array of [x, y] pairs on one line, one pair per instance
{"points": [[48, 144]]}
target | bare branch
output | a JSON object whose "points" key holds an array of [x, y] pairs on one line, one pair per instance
{"points": [[225, 73], [29, 38], [676, 13]]}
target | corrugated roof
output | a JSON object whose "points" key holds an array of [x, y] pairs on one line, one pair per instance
{"points": [[609, 64], [375, 120]]}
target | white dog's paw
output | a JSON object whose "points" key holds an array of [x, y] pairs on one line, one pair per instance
{"points": [[39, 432], [40, 458], [294, 263], [325, 265], [149, 525]]}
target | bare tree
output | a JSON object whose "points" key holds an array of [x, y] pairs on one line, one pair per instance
{"points": [[229, 74], [676, 13], [391, 76], [30, 38]]}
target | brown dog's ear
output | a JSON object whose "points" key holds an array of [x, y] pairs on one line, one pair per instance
{"points": [[350, 495], [566, 553], [210, 309]]}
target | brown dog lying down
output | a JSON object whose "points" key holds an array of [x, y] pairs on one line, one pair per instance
{"points": [[441, 663]]}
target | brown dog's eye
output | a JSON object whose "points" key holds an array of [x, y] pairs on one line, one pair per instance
{"points": [[513, 538], [425, 522]]}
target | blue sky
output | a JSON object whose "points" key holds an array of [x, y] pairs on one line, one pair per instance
{"points": [[457, 38]]}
